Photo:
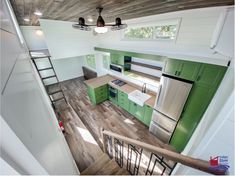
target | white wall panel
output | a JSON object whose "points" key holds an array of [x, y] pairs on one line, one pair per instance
{"points": [[68, 68], [27, 111], [192, 43], [64, 41], [34, 41]]}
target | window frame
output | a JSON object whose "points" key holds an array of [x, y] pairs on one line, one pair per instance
{"points": [[175, 21]]}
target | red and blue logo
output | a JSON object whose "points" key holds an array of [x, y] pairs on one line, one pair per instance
{"points": [[219, 164]]}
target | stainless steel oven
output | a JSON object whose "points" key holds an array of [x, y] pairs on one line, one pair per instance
{"points": [[113, 93]]}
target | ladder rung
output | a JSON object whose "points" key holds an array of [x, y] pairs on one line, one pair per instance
{"points": [[58, 99], [48, 68], [43, 57], [54, 92], [49, 77]]}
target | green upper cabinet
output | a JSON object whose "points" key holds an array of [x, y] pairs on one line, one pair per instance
{"points": [[211, 75], [207, 82], [171, 66], [90, 61], [117, 59], [188, 70], [182, 69]]}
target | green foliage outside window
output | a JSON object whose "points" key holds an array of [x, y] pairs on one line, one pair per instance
{"points": [[152, 32]]}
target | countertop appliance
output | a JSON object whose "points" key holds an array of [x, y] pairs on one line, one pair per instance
{"points": [[172, 95], [118, 82], [116, 68]]}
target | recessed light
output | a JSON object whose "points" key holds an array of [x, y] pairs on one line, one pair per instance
{"points": [[26, 19], [90, 19], [38, 13], [39, 32]]}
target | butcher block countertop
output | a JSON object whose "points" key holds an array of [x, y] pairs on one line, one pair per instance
{"points": [[127, 88]]}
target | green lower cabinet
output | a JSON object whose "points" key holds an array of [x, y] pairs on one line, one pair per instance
{"points": [[140, 112], [137, 111], [98, 95], [183, 133], [91, 94], [123, 100], [148, 111], [132, 107]]}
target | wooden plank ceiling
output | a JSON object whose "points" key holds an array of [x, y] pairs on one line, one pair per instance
{"points": [[70, 10]]}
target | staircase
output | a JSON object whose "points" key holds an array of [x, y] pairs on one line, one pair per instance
{"points": [[126, 156], [105, 166]]}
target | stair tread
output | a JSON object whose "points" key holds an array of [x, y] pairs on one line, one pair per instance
{"points": [[97, 165], [109, 169], [122, 171]]}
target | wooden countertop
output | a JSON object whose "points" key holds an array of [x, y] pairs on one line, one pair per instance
{"points": [[99, 81], [127, 88]]}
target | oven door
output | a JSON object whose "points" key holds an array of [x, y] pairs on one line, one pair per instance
{"points": [[113, 92]]}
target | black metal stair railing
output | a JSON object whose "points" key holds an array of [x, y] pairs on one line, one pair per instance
{"points": [[141, 158], [131, 156]]}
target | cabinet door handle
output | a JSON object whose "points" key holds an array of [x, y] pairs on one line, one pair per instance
{"points": [[179, 72], [198, 78], [176, 72]]}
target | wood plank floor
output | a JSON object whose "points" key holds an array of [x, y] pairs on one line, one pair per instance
{"points": [[82, 119]]}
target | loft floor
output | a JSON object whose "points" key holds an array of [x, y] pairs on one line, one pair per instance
{"points": [[83, 122]]}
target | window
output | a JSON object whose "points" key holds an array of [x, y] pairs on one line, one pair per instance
{"points": [[90, 61], [161, 31]]}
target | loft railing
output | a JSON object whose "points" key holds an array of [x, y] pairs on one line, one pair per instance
{"points": [[141, 158]]}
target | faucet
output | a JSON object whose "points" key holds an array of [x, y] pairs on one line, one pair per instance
{"points": [[144, 88]]}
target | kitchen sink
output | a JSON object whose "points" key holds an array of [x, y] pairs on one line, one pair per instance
{"points": [[138, 97]]}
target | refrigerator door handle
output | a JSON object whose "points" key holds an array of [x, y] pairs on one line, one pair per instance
{"points": [[159, 92]]}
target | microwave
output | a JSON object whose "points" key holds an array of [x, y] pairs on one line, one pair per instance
{"points": [[117, 68]]}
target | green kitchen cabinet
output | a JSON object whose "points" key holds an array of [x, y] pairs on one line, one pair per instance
{"points": [[171, 66], [91, 94], [99, 94], [123, 100], [148, 111], [117, 59], [132, 107], [137, 111], [140, 113], [182, 69], [188, 70], [204, 88]]}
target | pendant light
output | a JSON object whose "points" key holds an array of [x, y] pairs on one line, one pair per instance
{"points": [[100, 26]]}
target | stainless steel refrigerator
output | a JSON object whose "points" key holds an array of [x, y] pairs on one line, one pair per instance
{"points": [[169, 104]]}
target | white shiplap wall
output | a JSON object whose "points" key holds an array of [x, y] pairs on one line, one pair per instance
{"points": [[192, 43]]}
